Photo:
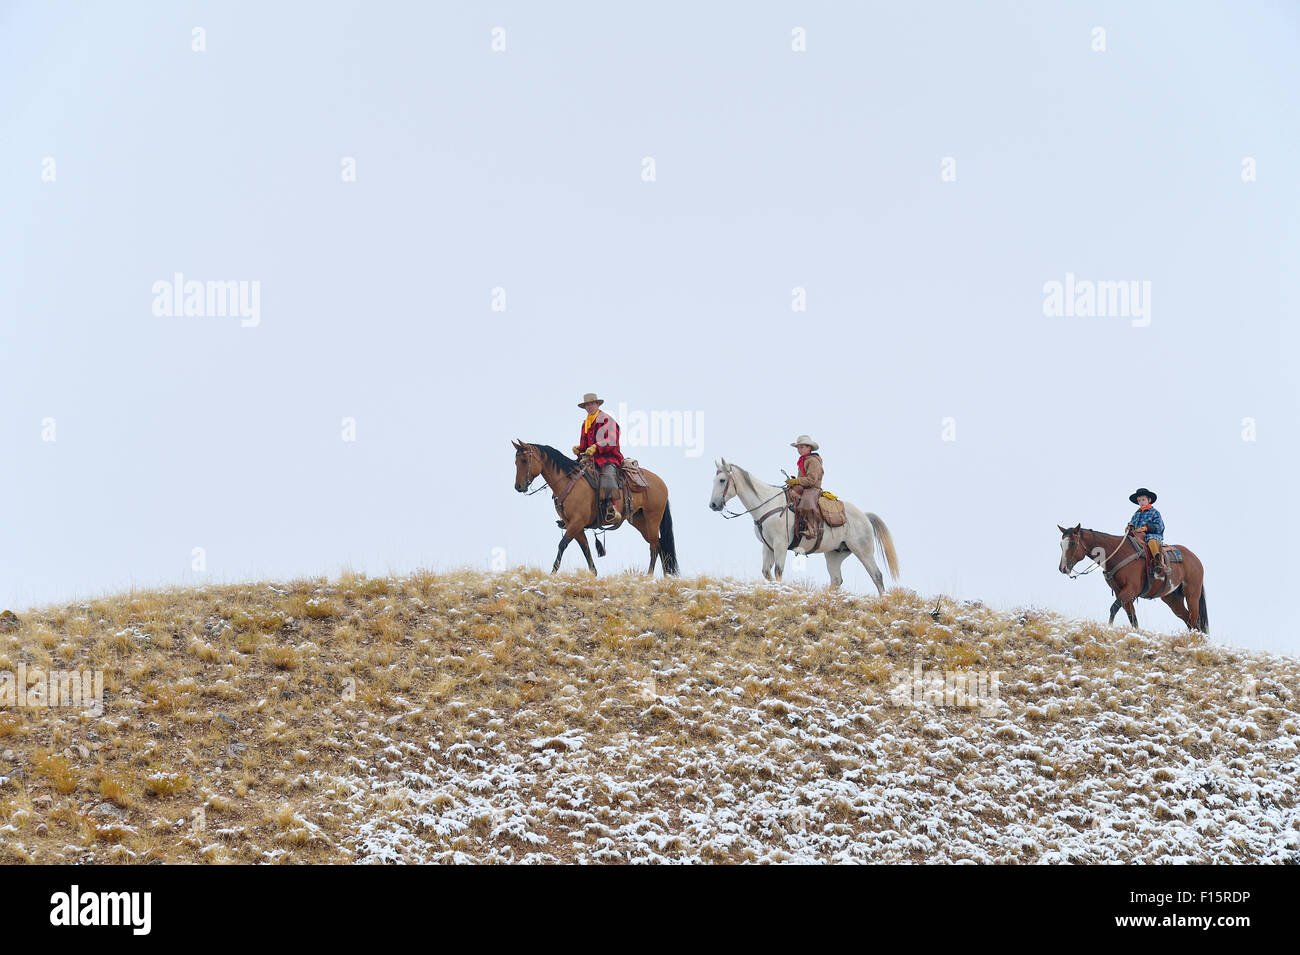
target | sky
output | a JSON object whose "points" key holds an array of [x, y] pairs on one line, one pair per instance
{"points": [[449, 221]]}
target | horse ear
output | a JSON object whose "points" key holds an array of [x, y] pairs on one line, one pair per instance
{"points": [[1061, 529], [1077, 528]]}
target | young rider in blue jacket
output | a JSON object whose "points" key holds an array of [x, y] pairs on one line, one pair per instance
{"points": [[1147, 518]]}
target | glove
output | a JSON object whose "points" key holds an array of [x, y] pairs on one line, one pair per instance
{"points": [[590, 450], [576, 450], [791, 480]]}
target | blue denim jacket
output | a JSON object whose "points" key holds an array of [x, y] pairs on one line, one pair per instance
{"points": [[1151, 519]]}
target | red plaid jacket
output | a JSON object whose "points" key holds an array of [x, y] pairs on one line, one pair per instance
{"points": [[603, 433]]}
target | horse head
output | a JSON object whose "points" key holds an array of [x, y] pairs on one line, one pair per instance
{"points": [[724, 487], [1072, 547], [527, 466]]}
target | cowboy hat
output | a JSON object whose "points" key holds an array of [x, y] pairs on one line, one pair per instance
{"points": [[588, 397], [804, 439], [1140, 492]]}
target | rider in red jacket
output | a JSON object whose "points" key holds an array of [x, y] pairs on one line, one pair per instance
{"points": [[599, 441]]}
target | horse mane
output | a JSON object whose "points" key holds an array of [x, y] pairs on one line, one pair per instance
{"points": [[559, 460], [749, 478]]}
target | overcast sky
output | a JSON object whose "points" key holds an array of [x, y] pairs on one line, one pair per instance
{"points": [[449, 221]]}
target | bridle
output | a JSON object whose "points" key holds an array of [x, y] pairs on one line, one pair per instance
{"points": [[758, 521], [1095, 565], [529, 454]]}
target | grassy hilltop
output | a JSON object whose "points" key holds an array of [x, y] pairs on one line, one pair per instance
{"points": [[526, 717]]}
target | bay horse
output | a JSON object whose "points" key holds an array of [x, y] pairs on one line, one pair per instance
{"points": [[577, 501], [861, 534], [1123, 564]]}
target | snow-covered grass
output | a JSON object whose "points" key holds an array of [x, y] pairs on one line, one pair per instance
{"points": [[521, 717]]}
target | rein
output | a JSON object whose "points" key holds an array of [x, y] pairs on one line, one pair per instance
{"points": [[1104, 561], [758, 521], [749, 510], [528, 493]]}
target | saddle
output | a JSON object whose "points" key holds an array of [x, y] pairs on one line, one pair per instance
{"points": [[830, 506], [630, 481], [632, 474], [1172, 555]]}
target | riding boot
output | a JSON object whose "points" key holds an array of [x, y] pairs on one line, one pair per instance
{"points": [[809, 538]]}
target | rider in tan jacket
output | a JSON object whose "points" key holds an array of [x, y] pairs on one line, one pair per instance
{"points": [[810, 479]]}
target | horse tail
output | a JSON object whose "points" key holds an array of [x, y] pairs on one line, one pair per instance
{"points": [[667, 549], [885, 544], [1205, 615]]}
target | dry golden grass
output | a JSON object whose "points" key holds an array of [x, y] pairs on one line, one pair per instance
{"points": [[262, 723]]}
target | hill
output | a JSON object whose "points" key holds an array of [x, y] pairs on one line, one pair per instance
{"points": [[527, 717]]}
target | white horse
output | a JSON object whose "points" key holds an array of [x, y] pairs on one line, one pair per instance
{"points": [[860, 534]]}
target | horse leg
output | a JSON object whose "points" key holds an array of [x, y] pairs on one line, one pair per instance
{"points": [[769, 555], [1127, 592], [1175, 602], [834, 560], [564, 542], [1132, 614], [1192, 594], [586, 551], [778, 555], [651, 535], [1124, 598], [864, 550]]}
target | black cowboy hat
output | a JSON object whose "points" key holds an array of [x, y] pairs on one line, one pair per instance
{"points": [[1141, 491]]}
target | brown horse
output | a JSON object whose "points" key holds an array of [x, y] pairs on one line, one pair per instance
{"points": [[577, 501], [1122, 563]]}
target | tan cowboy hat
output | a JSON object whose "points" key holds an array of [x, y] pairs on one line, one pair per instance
{"points": [[804, 439], [590, 396]]}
